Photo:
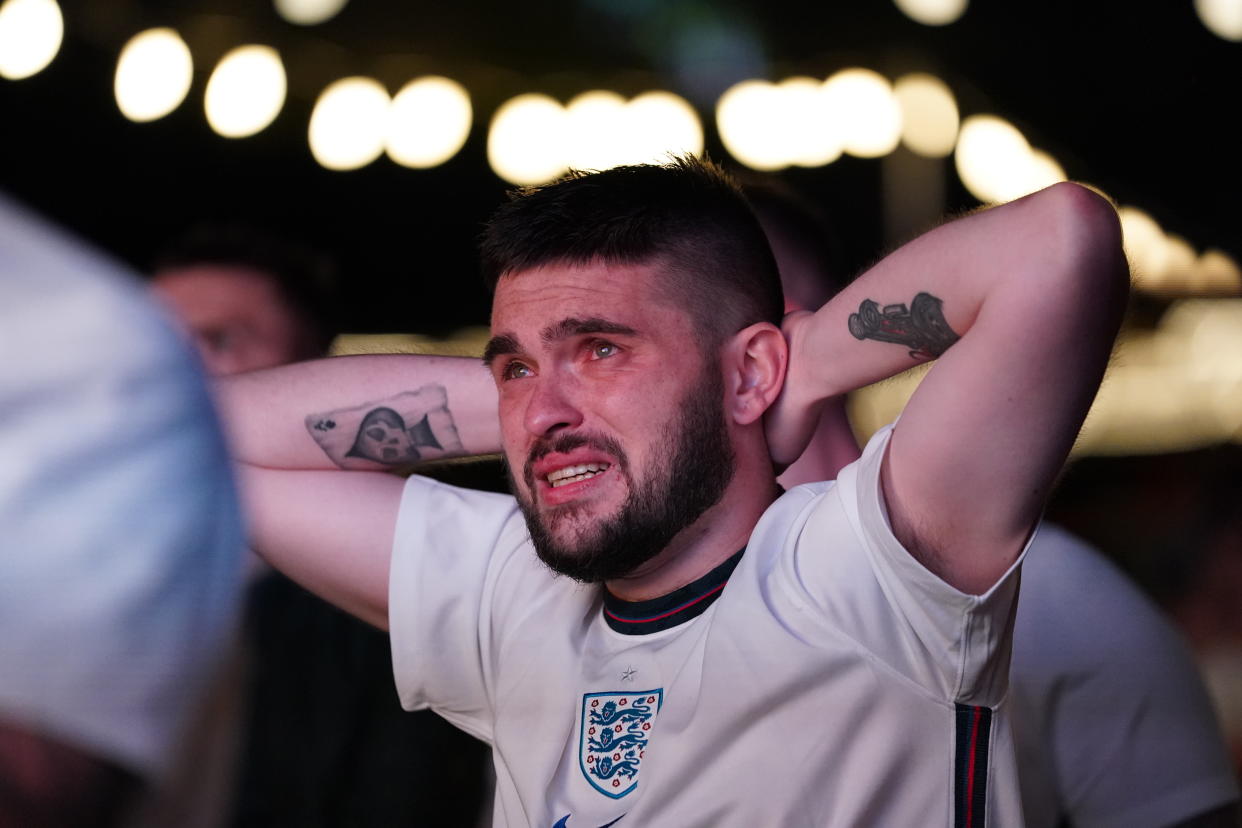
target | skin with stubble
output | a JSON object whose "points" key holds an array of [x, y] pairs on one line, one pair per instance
{"points": [[614, 417], [688, 477]]}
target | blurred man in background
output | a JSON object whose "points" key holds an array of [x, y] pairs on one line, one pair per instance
{"points": [[120, 538], [1112, 724], [324, 741]]}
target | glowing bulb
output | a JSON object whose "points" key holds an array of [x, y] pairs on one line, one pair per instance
{"points": [[595, 130], [661, 124], [1223, 18], [929, 117], [1180, 262], [994, 160], [30, 36], [1217, 272], [1145, 246], [864, 105], [309, 12], [525, 141], [747, 117], [807, 132], [429, 122], [348, 124], [932, 12], [153, 75], [246, 91]]}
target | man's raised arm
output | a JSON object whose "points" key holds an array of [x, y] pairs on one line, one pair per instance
{"points": [[1019, 304], [313, 441], [352, 412]]}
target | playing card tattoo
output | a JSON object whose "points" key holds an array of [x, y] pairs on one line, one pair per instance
{"points": [[411, 427]]}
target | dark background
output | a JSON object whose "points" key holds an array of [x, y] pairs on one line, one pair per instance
{"points": [[1131, 97]]}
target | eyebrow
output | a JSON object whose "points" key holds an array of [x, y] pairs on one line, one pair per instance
{"points": [[506, 343], [573, 326], [498, 346]]}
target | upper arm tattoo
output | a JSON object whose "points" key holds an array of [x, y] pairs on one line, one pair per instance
{"points": [[412, 426], [921, 327]]}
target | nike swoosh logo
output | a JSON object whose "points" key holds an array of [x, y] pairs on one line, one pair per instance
{"points": [[563, 822]]}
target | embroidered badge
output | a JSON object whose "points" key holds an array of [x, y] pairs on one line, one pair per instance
{"points": [[615, 730]]}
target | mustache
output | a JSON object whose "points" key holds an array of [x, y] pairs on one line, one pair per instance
{"points": [[565, 443]]}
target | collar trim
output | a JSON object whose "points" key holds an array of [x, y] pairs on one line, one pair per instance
{"points": [[677, 607]]}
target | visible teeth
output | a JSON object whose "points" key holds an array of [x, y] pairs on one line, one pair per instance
{"points": [[572, 474]]}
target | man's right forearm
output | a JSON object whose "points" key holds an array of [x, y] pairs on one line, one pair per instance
{"points": [[360, 412]]}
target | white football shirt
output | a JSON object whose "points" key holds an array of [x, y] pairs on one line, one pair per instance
{"points": [[835, 681], [1114, 728]]}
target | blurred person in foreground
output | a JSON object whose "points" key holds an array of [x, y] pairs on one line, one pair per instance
{"points": [[324, 741], [650, 630], [119, 534], [1111, 720]]}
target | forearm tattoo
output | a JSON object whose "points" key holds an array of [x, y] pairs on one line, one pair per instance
{"points": [[921, 327], [411, 427]]}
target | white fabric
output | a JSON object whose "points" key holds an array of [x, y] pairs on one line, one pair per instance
{"points": [[1113, 726], [119, 529], [819, 689]]}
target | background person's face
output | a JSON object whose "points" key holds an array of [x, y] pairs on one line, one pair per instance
{"points": [[237, 317]]}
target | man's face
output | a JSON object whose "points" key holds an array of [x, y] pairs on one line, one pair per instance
{"points": [[611, 416], [236, 315]]}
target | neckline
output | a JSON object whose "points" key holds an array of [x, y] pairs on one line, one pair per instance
{"points": [[677, 607]]}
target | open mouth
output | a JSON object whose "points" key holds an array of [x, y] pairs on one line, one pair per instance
{"points": [[575, 474]]}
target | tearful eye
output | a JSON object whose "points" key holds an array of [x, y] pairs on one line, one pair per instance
{"points": [[603, 350], [514, 370]]}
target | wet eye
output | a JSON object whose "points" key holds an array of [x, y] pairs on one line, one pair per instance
{"points": [[514, 370], [603, 350]]}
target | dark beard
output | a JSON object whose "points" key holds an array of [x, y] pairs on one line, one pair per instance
{"points": [[674, 494]]}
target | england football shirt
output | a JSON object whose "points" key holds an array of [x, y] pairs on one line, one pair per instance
{"points": [[829, 680]]}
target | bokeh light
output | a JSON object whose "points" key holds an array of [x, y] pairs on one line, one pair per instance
{"points": [[809, 135], [604, 130], [246, 91], [771, 126], [932, 12], [153, 74], [748, 117], [661, 124], [525, 141], [348, 126], [31, 32], [309, 12], [862, 102], [1217, 272], [1146, 247], [595, 136], [997, 164], [429, 121], [1223, 18], [929, 116]]}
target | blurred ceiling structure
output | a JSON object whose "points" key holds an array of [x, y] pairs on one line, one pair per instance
{"points": [[1134, 99]]}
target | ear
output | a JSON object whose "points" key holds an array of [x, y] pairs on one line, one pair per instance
{"points": [[755, 360]]}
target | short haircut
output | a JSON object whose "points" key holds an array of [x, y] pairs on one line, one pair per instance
{"points": [[305, 278], [686, 216]]}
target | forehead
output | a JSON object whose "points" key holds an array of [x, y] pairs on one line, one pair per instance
{"points": [[210, 289], [636, 295]]}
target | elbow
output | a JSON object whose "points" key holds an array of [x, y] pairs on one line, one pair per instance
{"points": [[1085, 232]]}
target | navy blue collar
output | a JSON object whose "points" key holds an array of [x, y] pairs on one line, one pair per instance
{"points": [[678, 607]]}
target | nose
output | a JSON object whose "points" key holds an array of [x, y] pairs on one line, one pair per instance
{"points": [[551, 407]]}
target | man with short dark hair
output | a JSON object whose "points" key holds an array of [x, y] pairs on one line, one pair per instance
{"points": [[250, 299], [833, 655], [308, 730]]}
